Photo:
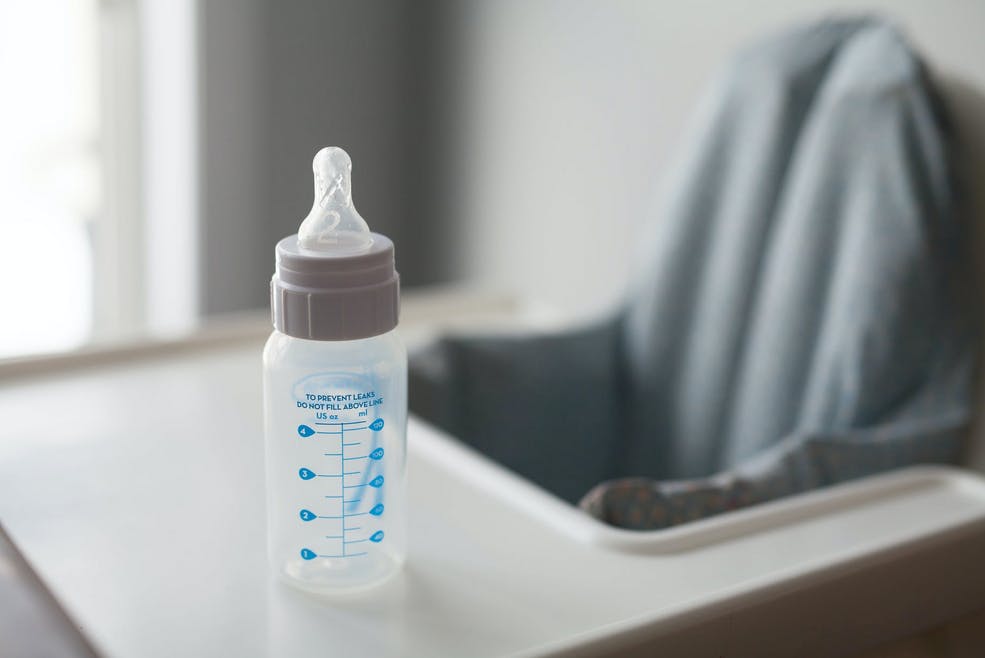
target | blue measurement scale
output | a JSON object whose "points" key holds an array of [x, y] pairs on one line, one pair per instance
{"points": [[350, 482]]}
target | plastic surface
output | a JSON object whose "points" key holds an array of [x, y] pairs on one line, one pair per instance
{"points": [[334, 280], [333, 226], [89, 496], [335, 297], [335, 421], [495, 480], [335, 406]]}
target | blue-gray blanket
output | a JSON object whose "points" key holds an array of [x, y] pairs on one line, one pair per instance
{"points": [[799, 316]]}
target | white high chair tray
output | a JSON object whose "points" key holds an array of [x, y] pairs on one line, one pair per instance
{"points": [[133, 484]]}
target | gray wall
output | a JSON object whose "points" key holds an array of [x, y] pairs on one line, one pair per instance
{"points": [[280, 80], [516, 144]]}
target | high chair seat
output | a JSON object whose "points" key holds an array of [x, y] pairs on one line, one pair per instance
{"points": [[798, 316]]}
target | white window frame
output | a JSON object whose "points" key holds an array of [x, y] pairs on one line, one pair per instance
{"points": [[146, 274]]}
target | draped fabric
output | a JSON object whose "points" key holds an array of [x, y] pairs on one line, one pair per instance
{"points": [[798, 316]]}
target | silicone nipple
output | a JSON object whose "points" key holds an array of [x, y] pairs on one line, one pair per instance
{"points": [[333, 225]]}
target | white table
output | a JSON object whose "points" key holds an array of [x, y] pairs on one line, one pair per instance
{"points": [[133, 483]]}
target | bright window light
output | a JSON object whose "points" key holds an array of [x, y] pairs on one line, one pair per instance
{"points": [[49, 173]]}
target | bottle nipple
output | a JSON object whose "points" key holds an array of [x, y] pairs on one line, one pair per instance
{"points": [[333, 224]]}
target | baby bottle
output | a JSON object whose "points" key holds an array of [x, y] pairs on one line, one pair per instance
{"points": [[335, 397]]}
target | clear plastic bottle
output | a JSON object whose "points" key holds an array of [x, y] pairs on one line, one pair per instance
{"points": [[335, 398]]}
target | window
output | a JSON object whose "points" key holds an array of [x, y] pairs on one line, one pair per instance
{"points": [[97, 171], [50, 199]]}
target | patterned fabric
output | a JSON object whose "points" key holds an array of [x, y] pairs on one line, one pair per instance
{"points": [[796, 465], [797, 318]]}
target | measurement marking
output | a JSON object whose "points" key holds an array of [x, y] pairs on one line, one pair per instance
{"points": [[339, 516], [342, 451], [308, 474]]}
